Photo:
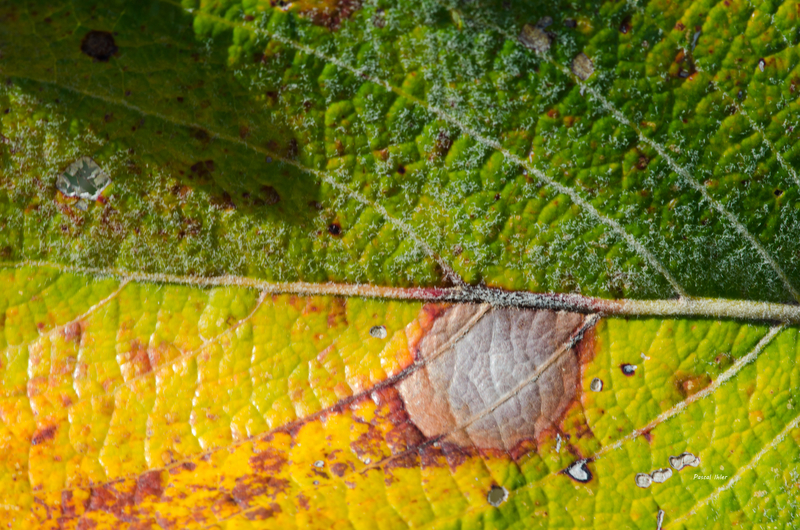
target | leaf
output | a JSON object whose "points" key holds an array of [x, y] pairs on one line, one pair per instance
{"points": [[421, 264]]}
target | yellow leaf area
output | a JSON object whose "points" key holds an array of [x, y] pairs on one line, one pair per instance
{"points": [[139, 405]]}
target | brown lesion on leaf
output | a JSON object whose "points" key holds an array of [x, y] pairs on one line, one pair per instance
{"points": [[327, 13]]}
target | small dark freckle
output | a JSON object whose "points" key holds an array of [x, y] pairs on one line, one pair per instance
{"points": [[778, 193], [269, 160], [497, 197], [740, 95], [58, 100], [334, 229], [99, 45], [401, 170], [570, 22], [6, 111], [180, 99], [628, 369], [127, 93]]}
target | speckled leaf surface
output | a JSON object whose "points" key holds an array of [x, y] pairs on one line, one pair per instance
{"points": [[278, 304]]}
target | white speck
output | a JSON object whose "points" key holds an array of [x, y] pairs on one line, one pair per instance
{"points": [[596, 385], [644, 357], [379, 332], [367, 461], [316, 482], [660, 519], [558, 443], [319, 463], [761, 64]]}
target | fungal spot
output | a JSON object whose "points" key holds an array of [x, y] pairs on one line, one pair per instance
{"points": [[625, 27], [269, 160], [683, 460], [83, 178], [570, 23], [316, 482], [661, 475], [740, 95], [660, 519], [778, 193], [643, 480], [319, 463], [334, 229], [582, 66], [379, 332], [99, 45], [497, 496], [401, 170], [529, 357], [270, 195], [534, 38], [761, 64], [596, 385], [628, 369], [579, 472], [544, 22]]}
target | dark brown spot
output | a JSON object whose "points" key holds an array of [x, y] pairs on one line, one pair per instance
{"points": [[625, 27], [269, 195], [99, 45], [401, 170], [778, 192], [334, 229], [628, 369], [43, 435], [149, 485]]}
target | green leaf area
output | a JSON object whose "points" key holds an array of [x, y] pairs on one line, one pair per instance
{"points": [[411, 143]]}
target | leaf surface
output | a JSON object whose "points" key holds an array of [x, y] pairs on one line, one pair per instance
{"points": [[358, 265]]}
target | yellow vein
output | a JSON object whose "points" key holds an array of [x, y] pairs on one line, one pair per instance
{"points": [[488, 142], [717, 308], [322, 175]]}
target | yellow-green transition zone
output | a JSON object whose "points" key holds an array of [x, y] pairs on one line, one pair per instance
{"points": [[129, 404]]}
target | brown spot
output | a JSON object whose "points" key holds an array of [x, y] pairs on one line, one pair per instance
{"points": [[334, 229], [269, 195], [44, 435], [690, 384], [339, 469], [248, 487], [401, 170], [99, 45], [330, 14], [261, 513], [625, 26], [521, 351], [72, 332], [268, 461], [149, 485]]}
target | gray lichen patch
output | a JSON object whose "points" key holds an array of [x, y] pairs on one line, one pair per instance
{"points": [[643, 480], [582, 66], [379, 332], [534, 38], [84, 179], [497, 495], [579, 471], [683, 460], [661, 475]]}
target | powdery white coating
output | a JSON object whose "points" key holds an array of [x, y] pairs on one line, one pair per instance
{"points": [[493, 377]]}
